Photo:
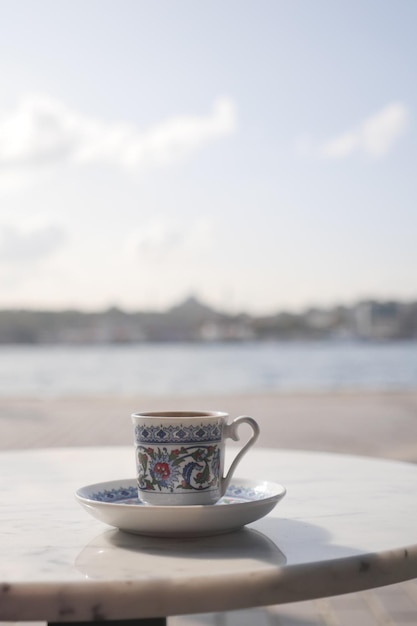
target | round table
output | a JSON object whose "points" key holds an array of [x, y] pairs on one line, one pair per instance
{"points": [[346, 524]]}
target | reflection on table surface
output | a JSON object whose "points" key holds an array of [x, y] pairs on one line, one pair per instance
{"points": [[135, 556]]}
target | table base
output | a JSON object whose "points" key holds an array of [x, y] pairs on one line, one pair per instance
{"points": [[145, 621]]}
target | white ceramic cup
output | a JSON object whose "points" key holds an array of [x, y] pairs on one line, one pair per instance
{"points": [[180, 455]]}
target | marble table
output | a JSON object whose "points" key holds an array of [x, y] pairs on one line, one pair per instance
{"points": [[346, 524]]}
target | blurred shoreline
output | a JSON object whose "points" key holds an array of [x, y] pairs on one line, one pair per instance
{"points": [[195, 321], [370, 423]]}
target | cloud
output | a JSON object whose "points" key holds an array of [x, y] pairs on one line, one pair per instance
{"points": [[374, 137], [42, 131], [341, 146], [29, 243], [161, 237]]}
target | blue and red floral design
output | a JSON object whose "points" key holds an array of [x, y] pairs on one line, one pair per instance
{"points": [[178, 468]]}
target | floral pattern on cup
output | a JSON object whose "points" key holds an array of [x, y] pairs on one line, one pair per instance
{"points": [[195, 468]]}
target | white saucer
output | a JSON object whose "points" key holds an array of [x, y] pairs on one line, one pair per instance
{"points": [[116, 503]]}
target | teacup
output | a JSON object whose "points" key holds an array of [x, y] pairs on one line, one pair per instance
{"points": [[180, 455]]}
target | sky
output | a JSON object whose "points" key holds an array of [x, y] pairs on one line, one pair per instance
{"points": [[259, 155]]}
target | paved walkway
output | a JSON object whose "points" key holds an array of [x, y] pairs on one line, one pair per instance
{"points": [[375, 424]]}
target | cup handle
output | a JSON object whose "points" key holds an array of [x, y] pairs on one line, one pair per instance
{"points": [[231, 433]]}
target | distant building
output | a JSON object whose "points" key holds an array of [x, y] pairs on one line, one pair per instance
{"points": [[378, 321]]}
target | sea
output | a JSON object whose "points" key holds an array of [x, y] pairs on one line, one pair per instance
{"points": [[206, 368]]}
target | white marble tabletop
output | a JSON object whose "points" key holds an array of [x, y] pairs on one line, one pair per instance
{"points": [[347, 523]]}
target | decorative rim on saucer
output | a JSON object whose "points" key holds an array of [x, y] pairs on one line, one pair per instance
{"points": [[129, 495], [116, 503]]}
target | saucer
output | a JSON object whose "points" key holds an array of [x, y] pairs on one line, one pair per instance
{"points": [[116, 503]]}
